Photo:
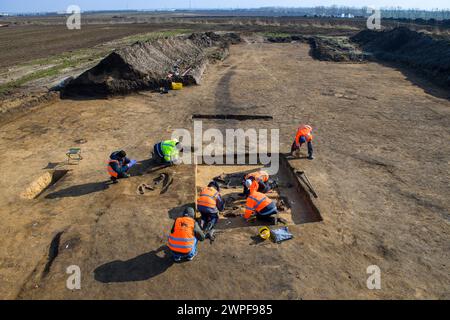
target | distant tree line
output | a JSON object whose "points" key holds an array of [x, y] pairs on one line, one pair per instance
{"points": [[319, 11], [338, 11]]}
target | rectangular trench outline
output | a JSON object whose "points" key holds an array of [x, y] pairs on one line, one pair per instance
{"points": [[300, 188]]}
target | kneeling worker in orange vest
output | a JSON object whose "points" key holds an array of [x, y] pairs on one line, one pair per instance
{"points": [[118, 165], [261, 206], [303, 135], [259, 182], [209, 203], [184, 236]]}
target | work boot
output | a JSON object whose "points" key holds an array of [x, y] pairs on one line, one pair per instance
{"points": [[192, 258], [208, 227], [211, 235]]}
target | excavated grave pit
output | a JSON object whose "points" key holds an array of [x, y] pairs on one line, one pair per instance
{"points": [[150, 181], [300, 207], [38, 186]]}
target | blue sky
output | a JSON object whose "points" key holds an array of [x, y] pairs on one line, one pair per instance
{"points": [[61, 5]]}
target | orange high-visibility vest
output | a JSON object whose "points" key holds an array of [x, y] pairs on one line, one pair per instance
{"points": [[254, 187], [183, 238], [258, 176], [111, 171], [304, 131], [256, 202], [208, 197]]}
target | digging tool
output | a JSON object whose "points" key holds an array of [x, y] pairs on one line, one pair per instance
{"points": [[304, 177], [186, 72]]}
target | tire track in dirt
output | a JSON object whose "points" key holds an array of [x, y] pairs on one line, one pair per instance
{"points": [[223, 101]]}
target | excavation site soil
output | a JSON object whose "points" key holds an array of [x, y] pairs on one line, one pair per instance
{"points": [[381, 174]]}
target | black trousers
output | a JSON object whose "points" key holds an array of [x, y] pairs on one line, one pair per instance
{"points": [[156, 157], [310, 148]]}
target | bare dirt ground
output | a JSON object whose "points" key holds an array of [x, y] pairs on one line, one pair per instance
{"points": [[381, 172]]}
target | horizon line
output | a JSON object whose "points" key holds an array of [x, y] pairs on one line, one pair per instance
{"points": [[216, 9]]}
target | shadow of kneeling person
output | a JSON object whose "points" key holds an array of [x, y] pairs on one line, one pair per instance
{"points": [[177, 212], [141, 167], [140, 268]]}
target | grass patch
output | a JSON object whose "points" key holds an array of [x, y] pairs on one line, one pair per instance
{"points": [[154, 35], [62, 63], [276, 34]]}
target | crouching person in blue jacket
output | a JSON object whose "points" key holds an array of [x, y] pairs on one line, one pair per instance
{"points": [[118, 165]]}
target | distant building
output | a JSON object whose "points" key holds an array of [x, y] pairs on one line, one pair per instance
{"points": [[349, 15]]}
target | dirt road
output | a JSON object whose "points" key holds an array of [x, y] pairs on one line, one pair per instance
{"points": [[381, 172]]}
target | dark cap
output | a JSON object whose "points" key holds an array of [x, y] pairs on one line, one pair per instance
{"points": [[215, 185], [189, 212]]}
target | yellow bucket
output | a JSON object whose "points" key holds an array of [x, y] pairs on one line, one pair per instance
{"points": [[177, 86], [264, 233]]}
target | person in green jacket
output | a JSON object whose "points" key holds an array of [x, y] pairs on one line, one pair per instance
{"points": [[168, 152]]}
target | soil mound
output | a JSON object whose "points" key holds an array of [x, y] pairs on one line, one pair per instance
{"points": [[337, 49], [425, 54], [147, 65]]}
